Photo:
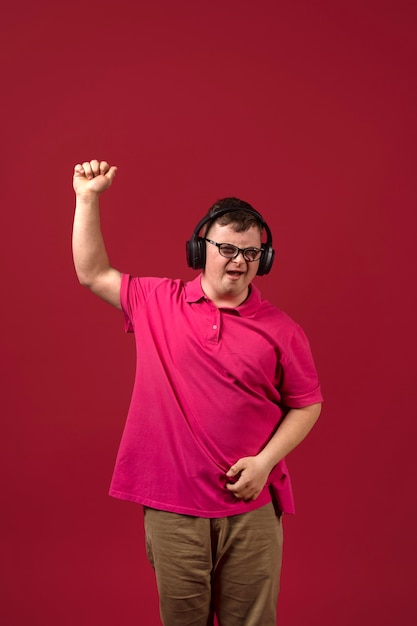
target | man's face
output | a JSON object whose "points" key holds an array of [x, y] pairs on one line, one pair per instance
{"points": [[226, 281]]}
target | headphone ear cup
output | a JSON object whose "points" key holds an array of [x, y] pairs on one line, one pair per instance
{"points": [[196, 253], [266, 261]]}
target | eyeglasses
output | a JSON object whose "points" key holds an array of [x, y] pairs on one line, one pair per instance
{"points": [[229, 251]]}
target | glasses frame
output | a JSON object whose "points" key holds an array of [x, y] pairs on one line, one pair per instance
{"points": [[238, 250]]}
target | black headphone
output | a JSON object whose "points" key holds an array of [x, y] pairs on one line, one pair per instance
{"points": [[196, 246]]}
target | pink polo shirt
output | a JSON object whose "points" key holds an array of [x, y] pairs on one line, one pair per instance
{"points": [[211, 387]]}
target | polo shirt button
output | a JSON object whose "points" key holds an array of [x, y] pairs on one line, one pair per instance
{"points": [[214, 326]]}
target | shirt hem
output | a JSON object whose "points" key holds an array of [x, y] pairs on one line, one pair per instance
{"points": [[239, 509]]}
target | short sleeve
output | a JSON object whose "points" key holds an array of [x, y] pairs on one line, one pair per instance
{"points": [[134, 295], [125, 302], [299, 384]]}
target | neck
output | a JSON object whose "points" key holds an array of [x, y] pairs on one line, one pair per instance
{"points": [[224, 301]]}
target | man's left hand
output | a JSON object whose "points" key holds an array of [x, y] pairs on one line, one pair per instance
{"points": [[252, 476]]}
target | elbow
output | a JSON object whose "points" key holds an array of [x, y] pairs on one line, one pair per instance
{"points": [[85, 283], [316, 410], [312, 413], [84, 279]]}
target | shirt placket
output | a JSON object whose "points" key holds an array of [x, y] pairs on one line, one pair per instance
{"points": [[213, 334]]}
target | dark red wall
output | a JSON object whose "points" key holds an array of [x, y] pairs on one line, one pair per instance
{"points": [[306, 110]]}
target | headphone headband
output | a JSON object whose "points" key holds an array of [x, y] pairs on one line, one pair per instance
{"points": [[196, 246]]}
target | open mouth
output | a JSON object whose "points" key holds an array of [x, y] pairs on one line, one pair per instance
{"points": [[234, 274]]}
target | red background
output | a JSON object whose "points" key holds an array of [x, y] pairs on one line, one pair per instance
{"points": [[306, 110]]}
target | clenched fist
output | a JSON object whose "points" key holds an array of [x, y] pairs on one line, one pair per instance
{"points": [[93, 177]]}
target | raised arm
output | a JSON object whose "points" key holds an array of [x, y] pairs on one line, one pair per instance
{"points": [[91, 261]]}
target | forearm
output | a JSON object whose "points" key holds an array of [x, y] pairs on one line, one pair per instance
{"points": [[90, 255], [293, 429], [253, 471]]}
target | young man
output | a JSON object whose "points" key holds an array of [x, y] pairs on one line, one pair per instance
{"points": [[225, 388]]}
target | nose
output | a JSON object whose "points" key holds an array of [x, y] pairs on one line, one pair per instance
{"points": [[236, 259]]}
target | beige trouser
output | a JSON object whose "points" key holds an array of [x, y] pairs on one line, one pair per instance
{"points": [[226, 566]]}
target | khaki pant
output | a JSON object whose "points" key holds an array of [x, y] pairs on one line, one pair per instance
{"points": [[228, 566]]}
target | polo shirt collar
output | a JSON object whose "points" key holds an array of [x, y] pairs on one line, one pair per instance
{"points": [[195, 293]]}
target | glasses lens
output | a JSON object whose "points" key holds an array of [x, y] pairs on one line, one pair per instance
{"points": [[228, 251], [252, 254]]}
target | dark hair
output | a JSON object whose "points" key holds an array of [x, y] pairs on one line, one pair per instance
{"points": [[240, 219]]}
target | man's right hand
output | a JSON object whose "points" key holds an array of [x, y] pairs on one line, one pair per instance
{"points": [[93, 177]]}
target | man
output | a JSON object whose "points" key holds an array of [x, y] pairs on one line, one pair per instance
{"points": [[225, 388]]}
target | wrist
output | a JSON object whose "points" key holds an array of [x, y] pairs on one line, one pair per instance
{"points": [[87, 199], [267, 460]]}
